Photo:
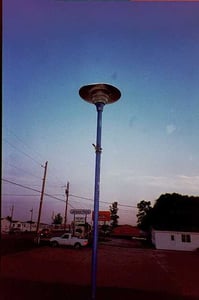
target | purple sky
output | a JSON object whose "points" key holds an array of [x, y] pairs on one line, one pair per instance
{"points": [[150, 137]]}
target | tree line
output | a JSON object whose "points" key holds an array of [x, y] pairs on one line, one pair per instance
{"points": [[170, 212]]}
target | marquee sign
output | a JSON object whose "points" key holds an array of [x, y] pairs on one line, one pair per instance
{"points": [[80, 211], [103, 215]]}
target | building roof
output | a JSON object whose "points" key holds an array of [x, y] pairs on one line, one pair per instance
{"points": [[126, 230]]}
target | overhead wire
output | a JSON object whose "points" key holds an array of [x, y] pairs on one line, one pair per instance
{"points": [[18, 195], [33, 159], [54, 197], [21, 169], [29, 188], [27, 155], [55, 176], [61, 182], [105, 202], [25, 144]]}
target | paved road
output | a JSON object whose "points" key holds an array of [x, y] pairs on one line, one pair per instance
{"points": [[123, 274]]}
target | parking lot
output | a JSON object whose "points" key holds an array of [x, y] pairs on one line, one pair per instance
{"points": [[125, 271]]}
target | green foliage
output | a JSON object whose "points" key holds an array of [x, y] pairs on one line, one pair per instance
{"points": [[176, 212], [144, 209], [105, 230], [170, 212], [114, 216], [58, 219]]}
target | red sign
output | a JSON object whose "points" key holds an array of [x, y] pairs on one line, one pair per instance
{"points": [[103, 215]]}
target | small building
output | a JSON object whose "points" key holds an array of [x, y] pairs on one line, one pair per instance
{"points": [[175, 240], [29, 226], [20, 226], [126, 231], [16, 225], [5, 225]]}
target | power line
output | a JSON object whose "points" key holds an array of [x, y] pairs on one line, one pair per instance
{"points": [[71, 195], [21, 185], [38, 154], [33, 185], [24, 153], [20, 169], [55, 176], [90, 199], [29, 188], [17, 195], [21, 141]]}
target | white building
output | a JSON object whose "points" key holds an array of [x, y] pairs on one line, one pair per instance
{"points": [[16, 225], [29, 226], [5, 225], [19, 226], [175, 240]]}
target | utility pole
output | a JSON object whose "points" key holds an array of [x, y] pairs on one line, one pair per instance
{"points": [[52, 217], [11, 217], [41, 198], [31, 211], [66, 208]]}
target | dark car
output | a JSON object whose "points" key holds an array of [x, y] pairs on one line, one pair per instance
{"points": [[44, 233], [15, 231]]}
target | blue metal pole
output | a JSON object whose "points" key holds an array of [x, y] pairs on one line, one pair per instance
{"points": [[99, 107]]}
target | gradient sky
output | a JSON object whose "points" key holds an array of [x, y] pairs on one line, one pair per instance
{"points": [[150, 51]]}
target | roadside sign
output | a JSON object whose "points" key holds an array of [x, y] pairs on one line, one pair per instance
{"points": [[79, 220], [103, 215], [80, 211]]}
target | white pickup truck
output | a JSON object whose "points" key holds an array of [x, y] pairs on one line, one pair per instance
{"points": [[68, 240]]}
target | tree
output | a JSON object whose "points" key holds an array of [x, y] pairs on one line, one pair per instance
{"points": [[176, 212], [58, 219], [9, 218], [143, 215], [105, 229], [170, 212], [114, 216]]}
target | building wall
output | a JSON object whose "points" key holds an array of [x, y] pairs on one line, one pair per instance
{"points": [[174, 240], [27, 227], [126, 230], [5, 225], [16, 225]]}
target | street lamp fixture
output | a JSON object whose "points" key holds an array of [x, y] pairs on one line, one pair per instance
{"points": [[98, 94]]}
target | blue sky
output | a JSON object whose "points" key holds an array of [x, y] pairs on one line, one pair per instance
{"points": [[148, 50]]}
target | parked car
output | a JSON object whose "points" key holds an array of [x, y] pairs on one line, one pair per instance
{"points": [[45, 232], [15, 231], [68, 240]]}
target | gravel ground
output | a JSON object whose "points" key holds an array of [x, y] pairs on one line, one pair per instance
{"points": [[124, 272]]}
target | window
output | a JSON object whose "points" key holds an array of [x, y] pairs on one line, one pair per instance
{"points": [[65, 236], [172, 237], [186, 238]]}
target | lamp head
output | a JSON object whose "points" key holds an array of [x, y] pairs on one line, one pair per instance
{"points": [[99, 93]]}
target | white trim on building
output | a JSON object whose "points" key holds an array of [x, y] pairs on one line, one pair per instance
{"points": [[5, 225], [29, 226], [175, 240]]}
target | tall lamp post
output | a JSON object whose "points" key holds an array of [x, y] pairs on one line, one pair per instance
{"points": [[98, 94]]}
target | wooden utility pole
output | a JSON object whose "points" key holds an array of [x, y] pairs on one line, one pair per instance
{"points": [[31, 211], [11, 217], [66, 208], [42, 195]]}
